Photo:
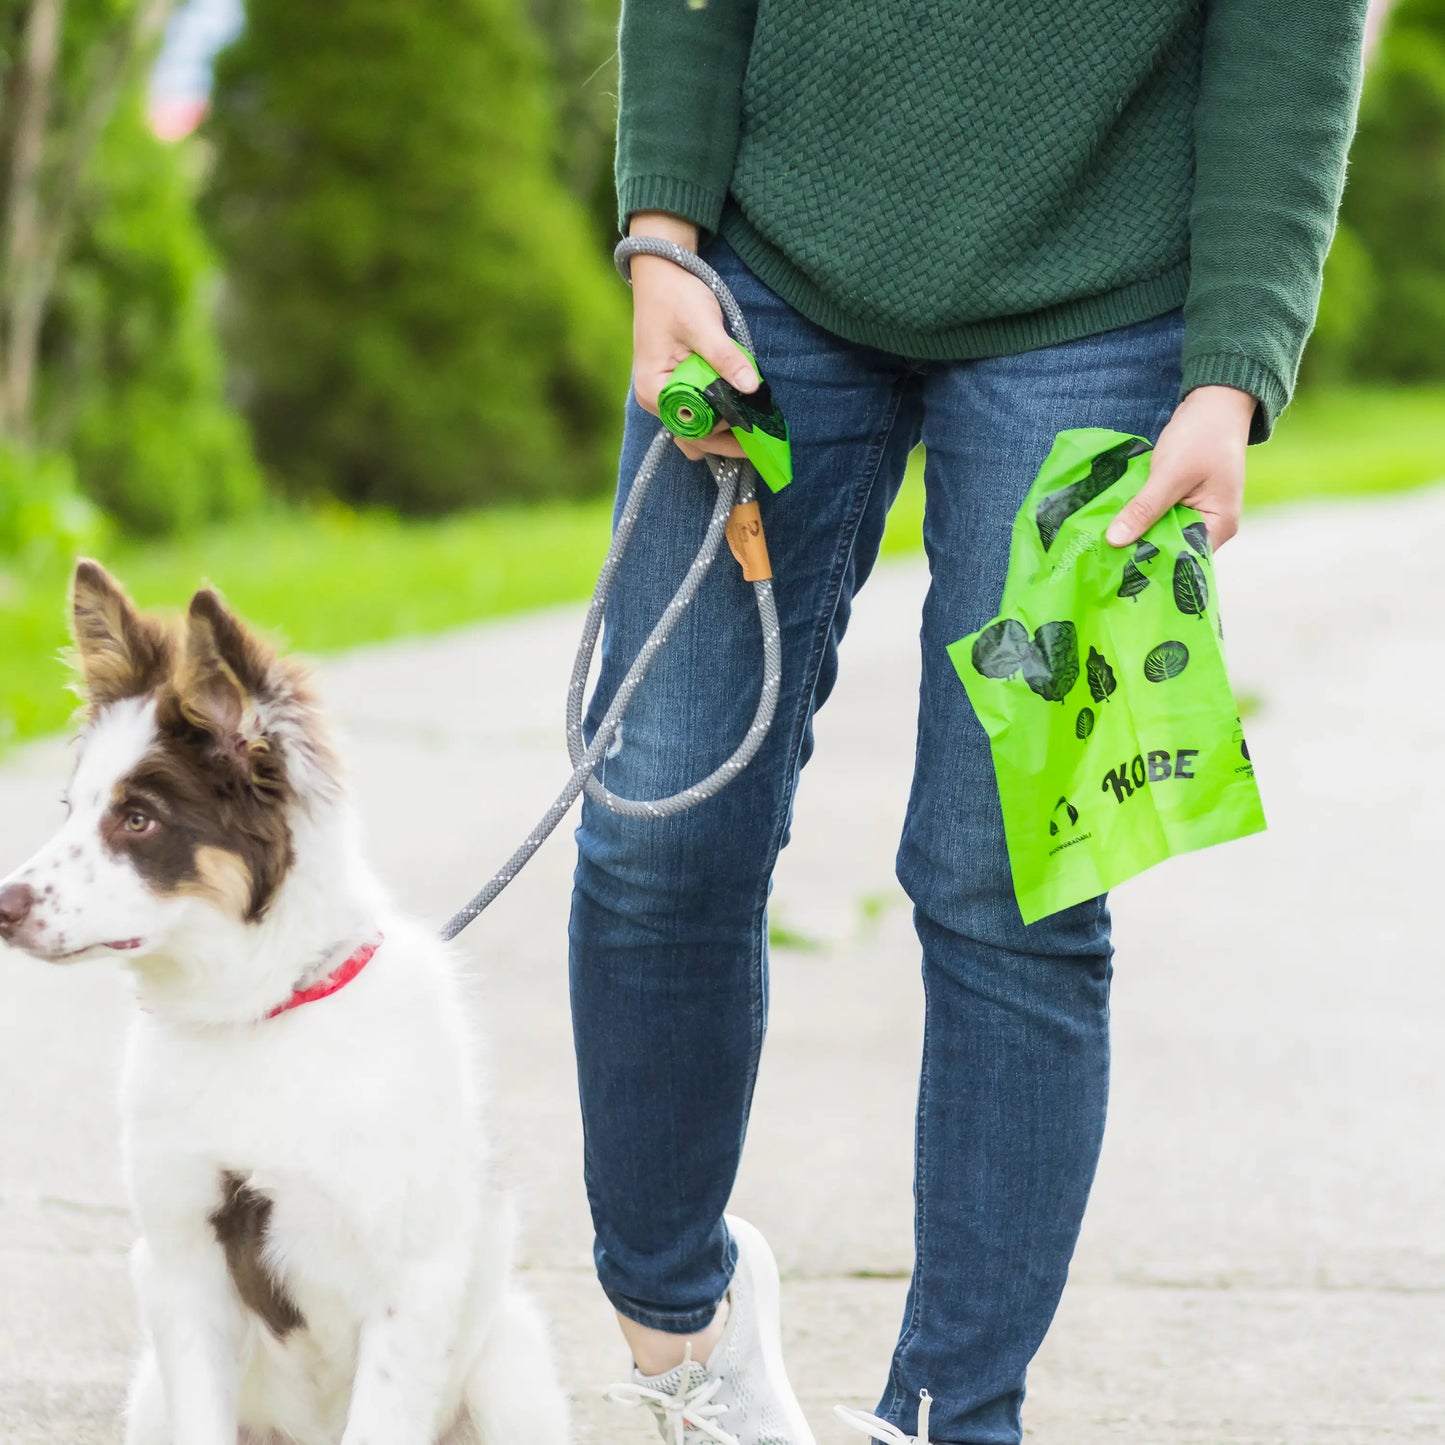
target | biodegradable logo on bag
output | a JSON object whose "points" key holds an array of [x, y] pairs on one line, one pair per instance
{"points": [[1072, 813], [1069, 808], [1159, 767]]}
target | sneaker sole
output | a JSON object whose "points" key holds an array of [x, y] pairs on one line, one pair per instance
{"points": [[767, 1301]]}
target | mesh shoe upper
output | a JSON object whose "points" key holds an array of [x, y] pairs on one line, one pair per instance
{"points": [[741, 1396]]}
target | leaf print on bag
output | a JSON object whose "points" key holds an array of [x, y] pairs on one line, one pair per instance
{"points": [[1107, 468], [1191, 591], [1135, 578], [1052, 667], [1102, 681], [1000, 649], [1085, 724], [1167, 660], [1197, 535], [1135, 581]]}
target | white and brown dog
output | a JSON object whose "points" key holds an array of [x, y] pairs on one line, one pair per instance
{"points": [[322, 1258]]}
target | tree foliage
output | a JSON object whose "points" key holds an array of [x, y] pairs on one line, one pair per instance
{"points": [[132, 380], [581, 46], [1382, 314], [418, 312], [109, 369], [61, 75]]}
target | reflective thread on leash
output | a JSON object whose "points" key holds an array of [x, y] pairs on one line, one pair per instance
{"points": [[734, 517]]}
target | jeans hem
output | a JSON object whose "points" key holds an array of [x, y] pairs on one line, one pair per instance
{"points": [[670, 1323]]}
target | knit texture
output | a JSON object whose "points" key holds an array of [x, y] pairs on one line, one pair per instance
{"points": [[960, 178]]}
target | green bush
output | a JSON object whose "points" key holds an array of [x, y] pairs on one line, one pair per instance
{"points": [[132, 382], [418, 312], [1382, 314], [43, 516], [581, 47]]}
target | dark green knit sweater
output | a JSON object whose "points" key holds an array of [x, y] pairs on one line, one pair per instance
{"points": [[961, 178]]}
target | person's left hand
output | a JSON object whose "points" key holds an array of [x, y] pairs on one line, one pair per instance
{"points": [[1199, 460]]}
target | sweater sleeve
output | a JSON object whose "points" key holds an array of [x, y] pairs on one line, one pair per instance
{"points": [[1278, 96], [679, 105]]}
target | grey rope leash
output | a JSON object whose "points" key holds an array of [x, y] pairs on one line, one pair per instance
{"points": [[736, 483]]}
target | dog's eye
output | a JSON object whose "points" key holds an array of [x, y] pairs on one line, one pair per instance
{"points": [[138, 823]]}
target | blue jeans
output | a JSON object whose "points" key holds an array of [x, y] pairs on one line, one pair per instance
{"points": [[669, 919]]}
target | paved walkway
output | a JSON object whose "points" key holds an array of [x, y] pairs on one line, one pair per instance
{"points": [[1264, 1261]]}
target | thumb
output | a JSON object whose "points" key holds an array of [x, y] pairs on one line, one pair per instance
{"points": [[725, 357], [1142, 510]]}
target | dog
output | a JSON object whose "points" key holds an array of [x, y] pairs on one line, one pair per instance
{"points": [[322, 1258]]}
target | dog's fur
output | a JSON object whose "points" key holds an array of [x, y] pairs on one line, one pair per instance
{"points": [[322, 1258]]}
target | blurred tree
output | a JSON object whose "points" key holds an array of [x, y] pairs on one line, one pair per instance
{"points": [[108, 361], [59, 85], [1382, 314], [417, 311], [581, 44], [132, 384]]}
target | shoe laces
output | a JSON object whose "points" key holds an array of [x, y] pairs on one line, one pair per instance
{"points": [[686, 1415], [882, 1430]]}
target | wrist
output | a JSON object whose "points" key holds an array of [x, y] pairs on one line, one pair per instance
{"points": [[664, 225], [1226, 405]]}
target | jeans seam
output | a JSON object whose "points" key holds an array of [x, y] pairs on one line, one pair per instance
{"points": [[848, 531], [835, 583], [920, 1222]]}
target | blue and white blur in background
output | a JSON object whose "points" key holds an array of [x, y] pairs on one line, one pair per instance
{"points": [[180, 86]]}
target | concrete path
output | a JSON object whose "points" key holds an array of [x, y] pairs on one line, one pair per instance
{"points": [[1264, 1261]]}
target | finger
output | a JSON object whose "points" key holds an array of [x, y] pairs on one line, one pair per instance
{"points": [[719, 444], [1143, 509], [724, 355], [648, 379]]}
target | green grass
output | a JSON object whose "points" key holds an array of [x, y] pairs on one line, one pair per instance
{"points": [[320, 581], [331, 579]]}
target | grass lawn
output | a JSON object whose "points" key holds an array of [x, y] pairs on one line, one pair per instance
{"points": [[332, 579]]}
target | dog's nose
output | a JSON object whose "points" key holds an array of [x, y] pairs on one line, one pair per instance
{"points": [[16, 901]]}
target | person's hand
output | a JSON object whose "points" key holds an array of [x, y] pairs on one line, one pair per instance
{"points": [[673, 315], [1199, 461]]}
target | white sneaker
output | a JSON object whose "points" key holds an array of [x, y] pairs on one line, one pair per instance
{"points": [[882, 1430], [742, 1395]]}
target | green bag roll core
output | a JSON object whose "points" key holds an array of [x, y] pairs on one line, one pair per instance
{"points": [[1102, 687], [684, 410]]}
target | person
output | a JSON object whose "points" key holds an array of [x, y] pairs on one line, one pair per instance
{"points": [[971, 225]]}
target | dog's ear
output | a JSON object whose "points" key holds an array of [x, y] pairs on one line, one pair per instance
{"points": [[225, 675], [118, 652]]}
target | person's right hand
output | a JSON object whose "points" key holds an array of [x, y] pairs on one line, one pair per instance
{"points": [[673, 315]]}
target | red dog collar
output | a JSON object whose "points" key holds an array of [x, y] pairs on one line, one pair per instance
{"points": [[337, 979]]}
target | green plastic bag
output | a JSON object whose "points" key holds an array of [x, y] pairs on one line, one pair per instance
{"points": [[1102, 686]]}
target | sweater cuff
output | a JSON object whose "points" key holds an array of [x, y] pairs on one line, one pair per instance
{"points": [[687, 199], [1225, 368]]}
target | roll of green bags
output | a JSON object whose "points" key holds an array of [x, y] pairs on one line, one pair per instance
{"points": [[696, 399], [684, 410]]}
